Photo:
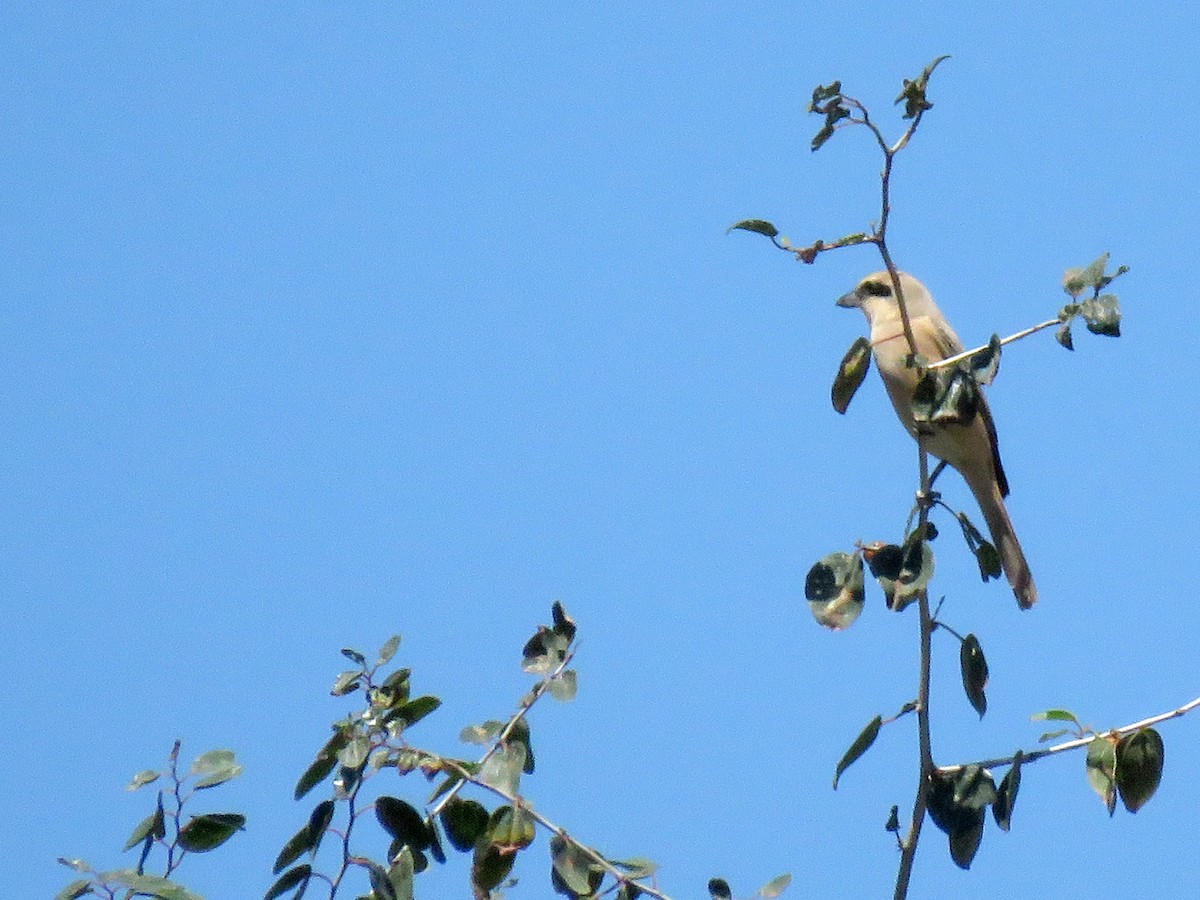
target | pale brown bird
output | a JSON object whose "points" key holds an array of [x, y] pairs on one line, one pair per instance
{"points": [[970, 448]]}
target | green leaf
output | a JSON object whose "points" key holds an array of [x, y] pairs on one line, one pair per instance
{"points": [[1139, 765], [853, 369], [775, 886], [946, 397], [346, 683], [481, 734], [913, 94], [414, 710], [307, 839], [1063, 336], [757, 226], [209, 831], [1056, 715], [215, 767], [76, 889], [388, 650], [576, 872], [326, 759], [381, 886], [861, 745], [153, 827], [503, 768], [150, 885], [834, 589], [974, 673], [511, 828], [354, 754], [544, 651], [354, 656], [1102, 770], [402, 821], [986, 555], [401, 872], [143, 778], [636, 867], [956, 802], [465, 822], [292, 878], [1006, 795], [564, 686], [984, 364], [1102, 315], [718, 889]]}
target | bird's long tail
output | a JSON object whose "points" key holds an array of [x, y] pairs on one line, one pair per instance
{"points": [[1012, 558]]}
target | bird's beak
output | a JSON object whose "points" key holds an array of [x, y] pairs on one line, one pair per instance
{"points": [[850, 300]]}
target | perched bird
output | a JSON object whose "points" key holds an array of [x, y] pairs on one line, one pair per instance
{"points": [[970, 448]]}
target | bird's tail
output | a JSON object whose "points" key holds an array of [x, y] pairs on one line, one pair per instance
{"points": [[1012, 558]]}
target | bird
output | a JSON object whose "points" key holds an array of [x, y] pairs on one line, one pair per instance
{"points": [[970, 448]]}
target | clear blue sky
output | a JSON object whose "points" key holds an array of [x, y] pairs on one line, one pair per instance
{"points": [[326, 321]]}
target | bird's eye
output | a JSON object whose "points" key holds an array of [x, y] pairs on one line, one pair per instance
{"points": [[877, 288]]}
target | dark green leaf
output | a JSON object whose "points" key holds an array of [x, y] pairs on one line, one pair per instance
{"points": [[986, 555], [1139, 761], [1101, 770], [209, 831], [893, 822], [758, 226], [564, 625], [834, 589], [985, 364], [718, 889], [1063, 336], [861, 744], [1006, 795], [853, 369], [292, 878], [947, 396], [465, 821], [974, 673], [354, 656], [913, 94], [412, 711], [490, 866], [520, 735], [402, 821], [326, 759], [964, 842]]}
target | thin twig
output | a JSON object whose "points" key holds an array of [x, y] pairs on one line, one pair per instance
{"points": [[951, 360], [598, 858], [1034, 755], [527, 704]]}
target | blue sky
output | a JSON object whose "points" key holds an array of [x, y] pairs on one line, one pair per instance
{"points": [[327, 321]]}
